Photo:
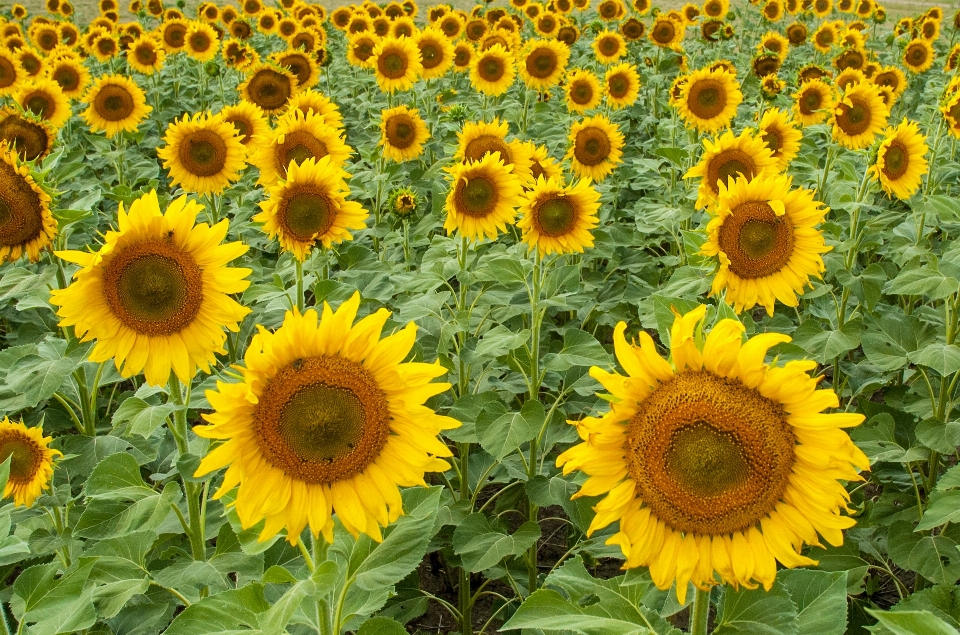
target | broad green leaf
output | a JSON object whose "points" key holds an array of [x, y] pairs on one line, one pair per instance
{"points": [[820, 598], [925, 280], [912, 623], [939, 436], [943, 358], [232, 611], [321, 581], [579, 349], [942, 508], [143, 417], [877, 438], [934, 557], [497, 342], [548, 611], [757, 612], [36, 377], [482, 544], [382, 626], [826, 345], [949, 479], [506, 434], [117, 476], [109, 517], [890, 339], [57, 605]]}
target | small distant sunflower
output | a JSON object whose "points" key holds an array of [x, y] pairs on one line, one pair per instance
{"points": [[31, 139], [822, 8], [711, 30], [583, 91], [105, 47], [463, 54], [72, 76], [666, 32], [812, 71], [596, 147], [403, 203], [396, 64], [918, 56], [146, 55], [202, 153], [173, 34], [609, 46], [813, 102], [202, 43], [360, 49], [493, 71], [310, 206], [951, 114], [403, 133], [156, 296], [633, 30], [483, 198], [45, 99], [26, 224], [556, 218], [269, 87], [716, 8], [115, 104], [765, 65], [859, 116], [825, 37], [772, 10], [452, 25], [31, 461], [900, 163], [781, 137], [773, 42], [403, 27], [543, 63], [852, 58], [726, 158], [708, 100], [765, 235], [771, 86], [622, 85], [436, 53], [298, 137], [797, 34], [249, 121]]}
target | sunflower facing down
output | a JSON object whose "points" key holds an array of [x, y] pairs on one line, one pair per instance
{"points": [[31, 461], [298, 137], [156, 297], [708, 100], [402, 133], [766, 238], [726, 158], [396, 64], [310, 206], [859, 116], [777, 131], [483, 198], [31, 139], [328, 419], [715, 462], [115, 104], [202, 153], [596, 146], [900, 163], [26, 224], [558, 219]]}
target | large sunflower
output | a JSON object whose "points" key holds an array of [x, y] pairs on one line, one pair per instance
{"points": [[360, 49], [26, 224], [557, 218], [483, 198], [298, 137], [715, 463], [45, 99], [31, 139], [396, 64], [115, 104], [859, 116], [609, 46], [327, 419], [157, 294], [478, 139], [622, 84], [766, 238], [436, 52], [310, 206], [543, 63], [726, 158], [492, 71], [583, 91], [813, 102], [900, 163], [708, 100], [31, 461], [269, 87], [777, 131], [918, 55], [402, 133], [596, 146]]}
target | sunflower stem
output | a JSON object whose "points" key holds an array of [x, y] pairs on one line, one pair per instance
{"points": [[191, 490], [300, 300], [933, 158], [536, 321], [701, 613], [828, 163]]}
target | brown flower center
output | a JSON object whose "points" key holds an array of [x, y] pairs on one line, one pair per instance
{"points": [[113, 103], [591, 146], [896, 160], [756, 240], [555, 216], [306, 212], [401, 131], [707, 98]]}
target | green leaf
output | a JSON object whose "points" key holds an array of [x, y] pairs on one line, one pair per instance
{"points": [[757, 612], [548, 611], [943, 358], [950, 479], [106, 517], [117, 476], [143, 417], [942, 508], [827, 345], [877, 438], [505, 434], [36, 377], [926, 280], [934, 557], [579, 349], [912, 623], [482, 544], [889, 340], [278, 575], [54, 605], [382, 626], [821, 600], [320, 582], [939, 436], [228, 612]]}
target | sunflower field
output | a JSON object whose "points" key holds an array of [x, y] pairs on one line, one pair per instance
{"points": [[576, 317]]}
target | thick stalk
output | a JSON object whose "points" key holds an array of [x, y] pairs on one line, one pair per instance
{"points": [[536, 320], [191, 490], [700, 615], [828, 163], [300, 299]]}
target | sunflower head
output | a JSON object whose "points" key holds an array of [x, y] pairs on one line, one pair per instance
{"points": [[31, 461], [493, 70], [31, 138], [483, 197], [403, 203], [725, 159], [403, 133], [780, 136], [556, 218], [918, 55], [203, 153], [115, 104], [45, 99], [269, 87], [26, 224], [813, 102], [859, 116], [543, 63], [298, 137], [622, 85], [900, 163], [596, 147], [583, 91], [708, 99], [396, 63]]}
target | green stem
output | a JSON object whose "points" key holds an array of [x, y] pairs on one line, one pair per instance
{"points": [[466, 604], [192, 490], [933, 157], [700, 614], [536, 319], [300, 300], [821, 188]]}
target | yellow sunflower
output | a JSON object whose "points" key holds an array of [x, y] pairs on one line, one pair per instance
{"points": [[596, 147], [918, 56], [31, 139], [173, 34], [848, 77], [314, 101], [622, 85], [72, 76], [327, 419], [31, 461], [859, 116], [773, 42], [797, 34], [767, 242], [492, 71], [249, 121], [45, 99], [542, 165], [483, 198], [146, 55], [202, 153], [115, 104], [543, 63], [825, 37], [558, 218], [26, 224], [900, 163], [156, 296], [402, 133], [583, 91], [951, 114], [396, 64], [478, 139], [360, 49], [436, 52], [301, 66], [310, 206], [813, 102], [202, 43], [709, 99], [269, 87], [298, 137], [666, 32], [609, 46], [726, 158], [781, 137], [714, 462], [11, 73]]}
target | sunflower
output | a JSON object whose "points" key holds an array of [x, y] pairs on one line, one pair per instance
{"points": [[715, 463], [396, 64], [726, 158], [31, 139], [452, 25], [825, 37], [918, 56], [583, 91], [711, 30], [483, 197], [847, 78], [632, 29], [900, 163], [115, 104], [202, 153], [26, 224], [45, 99], [173, 34], [773, 42], [360, 49], [812, 71], [320, 104], [772, 10], [708, 100], [569, 34], [859, 116], [300, 65], [596, 146], [822, 8], [436, 52], [146, 55], [542, 165], [403, 27], [951, 114], [609, 46], [157, 294], [249, 121], [666, 32], [813, 102], [31, 461], [463, 54], [479, 139], [717, 9], [269, 87], [493, 71], [298, 137], [780, 136], [556, 218], [543, 63], [327, 419], [402, 134], [30, 61], [244, 57], [201, 42], [796, 34], [622, 85]]}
